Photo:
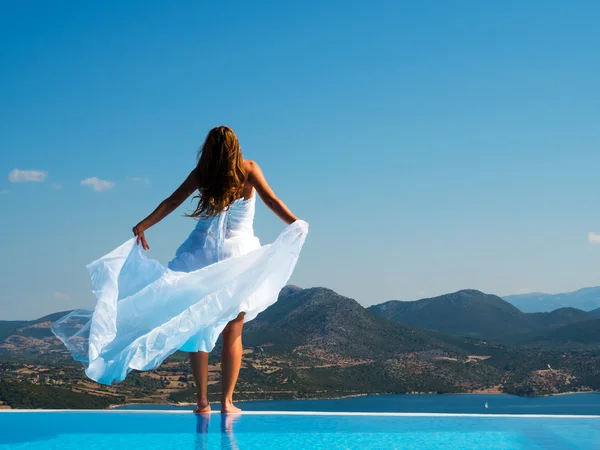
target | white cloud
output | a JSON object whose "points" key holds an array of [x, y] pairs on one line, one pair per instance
{"points": [[56, 186], [97, 184], [420, 293], [20, 176], [593, 238], [4, 191], [61, 296], [143, 180]]}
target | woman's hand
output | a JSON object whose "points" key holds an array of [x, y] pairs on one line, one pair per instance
{"points": [[138, 231], [166, 207]]}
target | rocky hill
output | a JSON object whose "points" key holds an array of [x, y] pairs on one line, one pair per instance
{"points": [[586, 333], [473, 313], [316, 343], [319, 322]]}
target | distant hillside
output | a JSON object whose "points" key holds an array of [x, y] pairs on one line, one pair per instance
{"points": [[31, 338], [586, 299], [312, 323], [585, 333], [319, 320], [473, 313], [38, 328], [315, 343], [467, 312], [558, 318]]}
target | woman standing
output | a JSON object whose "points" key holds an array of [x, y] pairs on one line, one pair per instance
{"points": [[220, 278]]}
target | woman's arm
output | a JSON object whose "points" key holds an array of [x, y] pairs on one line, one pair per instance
{"points": [[258, 181], [166, 207]]}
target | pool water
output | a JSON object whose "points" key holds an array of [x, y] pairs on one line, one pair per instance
{"points": [[68, 430]]}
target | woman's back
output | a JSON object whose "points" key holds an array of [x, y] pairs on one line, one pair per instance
{"points": [[215, 238]]}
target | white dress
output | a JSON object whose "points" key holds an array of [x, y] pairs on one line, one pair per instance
{"points": [[145, 311]]}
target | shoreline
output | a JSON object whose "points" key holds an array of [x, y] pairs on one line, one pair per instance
{"points": [[185, 404], [182, 404]]}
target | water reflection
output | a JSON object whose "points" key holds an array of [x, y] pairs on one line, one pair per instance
{"points": [[228, 441], [202, 421]]}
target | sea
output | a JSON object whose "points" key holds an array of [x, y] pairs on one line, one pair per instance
{"points": [[566, 404]]}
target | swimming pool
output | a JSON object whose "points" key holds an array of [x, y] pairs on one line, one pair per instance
{"points": [[68, 430]]}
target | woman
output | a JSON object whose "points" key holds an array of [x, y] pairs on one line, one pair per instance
{"points": [[220, 277]]}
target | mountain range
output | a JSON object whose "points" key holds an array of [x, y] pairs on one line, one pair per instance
{"points": [[320, 321], [475, 314], [314, 342], [586, 299]]}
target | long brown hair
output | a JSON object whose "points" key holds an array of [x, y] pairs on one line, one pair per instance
{"points": [[220, 171]]}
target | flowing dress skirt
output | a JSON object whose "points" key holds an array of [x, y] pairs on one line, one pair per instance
{"points": [[145, 311]]}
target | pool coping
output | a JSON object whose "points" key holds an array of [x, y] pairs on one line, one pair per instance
{"points": [[308, 413]]}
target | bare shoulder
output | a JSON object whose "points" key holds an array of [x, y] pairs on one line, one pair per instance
{"points": [[250, 166]]}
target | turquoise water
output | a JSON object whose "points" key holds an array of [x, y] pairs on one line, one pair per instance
{"points": [[576, 404], [181, 431]]}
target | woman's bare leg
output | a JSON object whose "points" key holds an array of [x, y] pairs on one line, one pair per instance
{"points": [[231, 362], [199, 363]]}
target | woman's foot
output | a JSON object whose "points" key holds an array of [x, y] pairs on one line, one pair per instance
{"points": [[203, 407], [227, 407]]}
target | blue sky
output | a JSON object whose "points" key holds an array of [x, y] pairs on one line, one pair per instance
{"points": [[432, 145]]}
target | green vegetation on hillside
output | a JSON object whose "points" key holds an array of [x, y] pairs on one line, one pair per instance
{"points": [[315, 343], [34, 396], [473, 313]]}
